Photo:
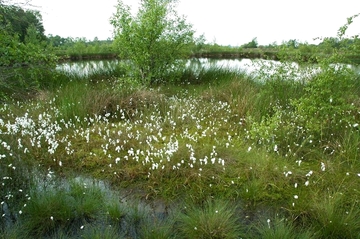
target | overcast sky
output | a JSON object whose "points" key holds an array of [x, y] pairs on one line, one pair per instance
{"points": [[228, 22]]}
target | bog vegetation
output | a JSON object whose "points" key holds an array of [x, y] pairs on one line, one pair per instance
{"points": [[213, 153]]}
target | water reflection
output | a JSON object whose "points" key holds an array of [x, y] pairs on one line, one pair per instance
{"points": [[85, 68], [257, 68], [233, 64], [247, 65]]}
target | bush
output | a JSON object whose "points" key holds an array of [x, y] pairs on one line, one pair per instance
{"points": [[155, 40]]}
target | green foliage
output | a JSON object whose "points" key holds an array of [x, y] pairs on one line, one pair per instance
{"points": [[24, 69], [19, 20], [252, 44], [293, 43], [56, 41], [320, 117], [327, 105], [281, 82], [320, 113], [154, 41], [81, 48], [25, 63]]}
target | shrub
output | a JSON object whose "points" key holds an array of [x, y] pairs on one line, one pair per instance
{"points": [[155, 40]]}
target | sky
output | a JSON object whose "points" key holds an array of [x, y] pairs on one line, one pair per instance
{"points": [[226, 22]]}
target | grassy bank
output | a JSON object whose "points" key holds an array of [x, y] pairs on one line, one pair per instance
{"points": [[217, 154]]}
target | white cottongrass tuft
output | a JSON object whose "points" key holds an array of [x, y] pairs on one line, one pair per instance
{"points": [[323, 167]]}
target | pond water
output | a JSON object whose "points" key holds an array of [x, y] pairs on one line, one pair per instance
{"points": [[255, 67]]}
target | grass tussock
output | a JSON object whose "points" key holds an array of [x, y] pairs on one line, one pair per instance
{"points": [[215, 219]]}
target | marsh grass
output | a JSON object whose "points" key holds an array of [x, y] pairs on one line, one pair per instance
{"points": [[199, 75], [281, 228], [89, 200], [47, 212], [350, 148], [136, 219], [73, 101], [157, 230], [223, 136], [333, 219], [51, 209], [13, 232], [101, 232], [213, 219], [116, 211]]}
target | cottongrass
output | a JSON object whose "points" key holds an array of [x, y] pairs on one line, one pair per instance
{"points": [[189, 145]]}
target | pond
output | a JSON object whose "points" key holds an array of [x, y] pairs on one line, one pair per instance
{"points": [[254, 67]]}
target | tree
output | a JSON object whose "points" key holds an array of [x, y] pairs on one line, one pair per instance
{"points": [[293, 43], [19, 20], [155, 40], [56, 41], [252, 44], [25, 61]]}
